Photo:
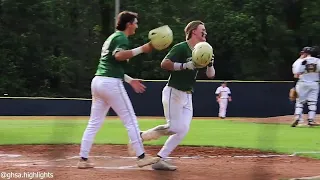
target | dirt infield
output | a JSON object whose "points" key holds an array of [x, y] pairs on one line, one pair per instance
{"points": [[203, 163], [112, 163]]}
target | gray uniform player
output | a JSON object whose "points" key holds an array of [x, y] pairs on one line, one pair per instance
{"points": [[307, 70]]}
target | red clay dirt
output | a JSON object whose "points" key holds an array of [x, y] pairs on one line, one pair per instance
{"points": [[203, 163]]}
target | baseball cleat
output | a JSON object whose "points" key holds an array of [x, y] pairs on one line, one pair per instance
{"points": [[312, 123], [164, 166], [295, 123], [82, 164], [147, 160]]}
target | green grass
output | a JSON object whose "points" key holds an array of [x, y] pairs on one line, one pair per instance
{"points": [[268, 137]]}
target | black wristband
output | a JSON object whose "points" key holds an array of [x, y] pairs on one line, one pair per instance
{"points": [[210, 64]]}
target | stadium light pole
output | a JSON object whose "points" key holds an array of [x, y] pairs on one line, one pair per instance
{"points": [[116, 12]]}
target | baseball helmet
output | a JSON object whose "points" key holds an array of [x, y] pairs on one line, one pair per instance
{"points": [[202, 54], [315, 52], [306, 49], [161, 37]]}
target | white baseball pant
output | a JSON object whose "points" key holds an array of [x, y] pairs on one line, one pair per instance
{"points": [[110, 92], [223, 104], [178, 111], [307, 93]]}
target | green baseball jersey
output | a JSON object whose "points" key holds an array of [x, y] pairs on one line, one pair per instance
{"points": [[183, 80], [108, 65]]}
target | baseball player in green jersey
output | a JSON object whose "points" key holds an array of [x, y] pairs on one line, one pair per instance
{"points": [[108, 90], [177, 94]]}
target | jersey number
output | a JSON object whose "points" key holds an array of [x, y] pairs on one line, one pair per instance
{"points": [[310, 68], [105, 48]]}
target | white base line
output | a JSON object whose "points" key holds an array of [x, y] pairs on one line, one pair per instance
{"points": [[306, 178], [10, 155], [189, 157], [307, 152], [43, 163], [97, 167], [21, 161]]}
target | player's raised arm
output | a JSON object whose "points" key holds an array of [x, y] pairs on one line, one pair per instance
{"points": [[121, 55], [299, 67], [160, 38]]}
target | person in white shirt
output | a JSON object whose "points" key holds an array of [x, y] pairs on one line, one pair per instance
{"points": [[223, 96], [307, 70], [298, 105]]}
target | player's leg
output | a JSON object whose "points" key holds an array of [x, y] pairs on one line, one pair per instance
{"points": [[160, 130], [99, 109], [122, 105], [300, 101], [180, 124], [172, 107], [220, 107], [312, 100], [224, 104], [298, 112]]}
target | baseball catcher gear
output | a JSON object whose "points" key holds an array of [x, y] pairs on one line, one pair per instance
{"points": [[293, 95], [161, 37]]}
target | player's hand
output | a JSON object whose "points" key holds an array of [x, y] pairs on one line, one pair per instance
{"points": [[189, 65], [137, 86], [147, 48], [230, 99]]}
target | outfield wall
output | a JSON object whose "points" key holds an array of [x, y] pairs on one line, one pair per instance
{"points": [[250, 99]]}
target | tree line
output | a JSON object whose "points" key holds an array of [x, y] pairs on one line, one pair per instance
{"points": [[52, 47]]}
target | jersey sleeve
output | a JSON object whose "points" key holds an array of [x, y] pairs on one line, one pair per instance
{"points": [[294, 65], [120, 44], [174, 54], [318, 64], [229, 91], [218, 91], [297, 67]]}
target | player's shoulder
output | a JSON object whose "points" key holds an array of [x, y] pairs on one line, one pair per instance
{"points": [[119, 36], [180, 45], [298, 61]]}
